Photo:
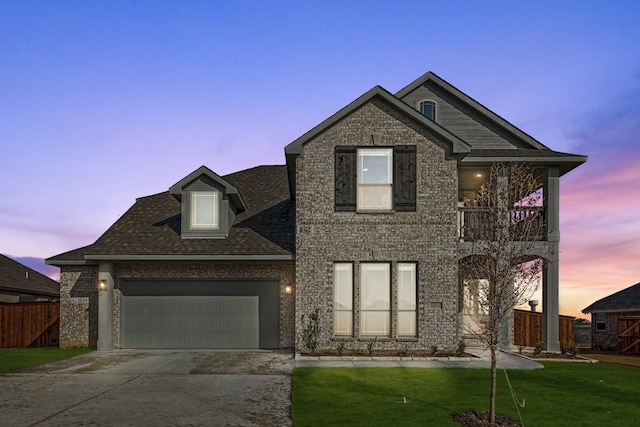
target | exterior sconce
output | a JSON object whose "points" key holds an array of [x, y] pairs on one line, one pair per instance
{"points": [[102, 285], [288, 289]]}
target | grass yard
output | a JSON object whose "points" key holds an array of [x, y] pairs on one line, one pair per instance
{"points": [[561, 394], [12, 359]]}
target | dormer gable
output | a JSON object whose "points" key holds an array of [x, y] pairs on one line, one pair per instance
{"points": [[209, 204]]}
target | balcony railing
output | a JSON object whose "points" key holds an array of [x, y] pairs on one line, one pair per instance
{"points": [[526, 223]]}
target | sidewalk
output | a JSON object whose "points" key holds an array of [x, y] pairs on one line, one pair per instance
{"points": [[481, 361]]}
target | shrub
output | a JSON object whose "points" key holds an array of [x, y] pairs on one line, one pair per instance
{"points": [[462, 346], [570, 349], [433, 350], [310, 333], [539, 348], [371, 345], [404, 351]]}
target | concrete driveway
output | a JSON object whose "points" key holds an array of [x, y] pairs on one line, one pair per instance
{"points": [[152, 388]]}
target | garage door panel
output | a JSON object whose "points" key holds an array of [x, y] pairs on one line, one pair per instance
{"points": [[191, 322]]}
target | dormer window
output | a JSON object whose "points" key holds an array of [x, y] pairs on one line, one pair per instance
{"points": [[428, 109], [205, 210], [209, 205]]}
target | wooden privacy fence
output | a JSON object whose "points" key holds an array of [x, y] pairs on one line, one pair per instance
{"points": [[29, 324], [629, 335], [527, 328]]}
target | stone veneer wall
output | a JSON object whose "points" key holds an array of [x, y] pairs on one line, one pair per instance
{"points": [[282, 271], [427, 236], [78, 306], [79, 296], [9, 298]]}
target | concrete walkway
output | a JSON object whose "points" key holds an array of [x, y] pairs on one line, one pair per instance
{"points": [[481, 361]]}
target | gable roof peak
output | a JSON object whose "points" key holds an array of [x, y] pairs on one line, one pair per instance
{"points": [[234, 194]]}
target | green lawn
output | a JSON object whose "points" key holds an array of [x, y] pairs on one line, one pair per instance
{"points": [[12, 359], [561, 394]]}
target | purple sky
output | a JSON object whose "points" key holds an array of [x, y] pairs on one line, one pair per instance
{"points": [[103, 102]]}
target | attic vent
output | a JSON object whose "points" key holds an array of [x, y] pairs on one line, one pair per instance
{"points": [[26, 274]]}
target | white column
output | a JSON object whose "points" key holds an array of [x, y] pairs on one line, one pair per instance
{"points": [[550, 280]]}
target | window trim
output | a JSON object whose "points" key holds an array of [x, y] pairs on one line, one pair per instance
{"points": [[336, 310], [225, 215], [362, 186], [435, 108], [601, 325], [217, 208], [389, 308], [415, 302]]}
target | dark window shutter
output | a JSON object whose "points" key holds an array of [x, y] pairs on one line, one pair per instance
{"points": [[404, 178], [346, 178]]}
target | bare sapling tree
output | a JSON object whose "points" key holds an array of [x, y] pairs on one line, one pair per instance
{"points": [[499, 270]]}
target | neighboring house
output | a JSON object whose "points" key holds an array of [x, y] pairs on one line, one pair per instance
{"points": [[615, 321], [364, 225], [19, 283]]}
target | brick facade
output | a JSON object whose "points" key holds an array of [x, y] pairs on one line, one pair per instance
{"points": [[426, 236], [607, 339], [79, 296]]}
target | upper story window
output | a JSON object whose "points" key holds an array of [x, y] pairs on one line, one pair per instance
{"points": [[428, 109], [375, 178], [205, 210], [372, 178]]}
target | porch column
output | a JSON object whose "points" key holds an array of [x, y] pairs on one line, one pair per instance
{"points": [[550, 281], [105, 308]]}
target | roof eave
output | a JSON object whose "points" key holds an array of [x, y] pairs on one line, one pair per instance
{"points": [[222, 257], [565, 163]]}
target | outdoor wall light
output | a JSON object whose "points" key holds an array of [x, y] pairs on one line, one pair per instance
{"points": [[288, 289], [102, 285]]}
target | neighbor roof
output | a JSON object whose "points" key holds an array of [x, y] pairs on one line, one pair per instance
{"points": [[625, 300], [150, 229], [16, 277]]}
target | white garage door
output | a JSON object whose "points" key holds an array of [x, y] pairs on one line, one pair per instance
{"points": [[190, 322]]}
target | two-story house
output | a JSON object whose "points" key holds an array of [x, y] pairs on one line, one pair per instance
{"points": [[363, 226]]}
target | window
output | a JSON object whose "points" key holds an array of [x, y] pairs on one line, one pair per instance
{"points": [[601, 322], [343, 299], [375, 177], [375, 299], [205, 210], [407, 299], [428, 109]]}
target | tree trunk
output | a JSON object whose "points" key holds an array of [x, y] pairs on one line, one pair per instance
{"points": [[492, 394]]}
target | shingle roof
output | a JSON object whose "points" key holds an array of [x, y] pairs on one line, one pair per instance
{"points": [[624, 300], [16, 277], [151, 227]]}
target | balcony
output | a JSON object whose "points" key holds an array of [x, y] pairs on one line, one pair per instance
{"points": [[526, 223]]}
